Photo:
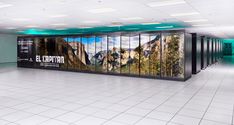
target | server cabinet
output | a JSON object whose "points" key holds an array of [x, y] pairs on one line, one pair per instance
{"points": [[196, 53], [204, 48]]}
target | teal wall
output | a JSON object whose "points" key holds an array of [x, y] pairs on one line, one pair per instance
{"points": [[8, 48], [229, 41]]}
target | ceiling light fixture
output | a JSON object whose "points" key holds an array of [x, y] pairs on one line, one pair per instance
{"points": [[131, 18], [59, 24], [61, 29], [166, 3], [202, 25], [184, 14], [91, 21], [85, 27], [164, 27], [198, 20], [101, 10], [10, 28], [5, 5], [58, 16], [32, 26], [115, 25], [20, 19], [152, 23]]}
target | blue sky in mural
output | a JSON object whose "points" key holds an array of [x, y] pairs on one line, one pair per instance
{"points": [[85, 40]]}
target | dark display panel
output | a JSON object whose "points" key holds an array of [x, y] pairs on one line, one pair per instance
{"points": [[51, 52], [25, 56], [213, 51], [173, 55], [153, 54], [208, 52], [196, 53]]}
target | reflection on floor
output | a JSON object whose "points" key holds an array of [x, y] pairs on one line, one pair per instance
{"points": [[44, 97]]}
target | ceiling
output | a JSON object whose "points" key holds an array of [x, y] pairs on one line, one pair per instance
{"points": [[212, 17]]}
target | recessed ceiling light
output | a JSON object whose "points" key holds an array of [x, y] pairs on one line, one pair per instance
{"points": [[131, 18], [91, 21], [5, 5], [101, 10], [59, 24], [10, 28], [32, 26], [20, 31], [115, 25], [166, 3], [85, 27], [184, 14], [164, 27], [150, 23], [58, 16], [198, 20], [202, 25], [20, 19], [61, 29]]}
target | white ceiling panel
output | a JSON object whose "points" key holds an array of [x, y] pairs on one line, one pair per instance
{"points": [[23, 14]]}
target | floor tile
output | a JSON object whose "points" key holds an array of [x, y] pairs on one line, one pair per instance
{"points": [[70, 117], [51, 113], [160, 115], [33, 120], [53, 122], [218, 118], [16, 116], [185, 120], [127, 118], [90, 121], [148, 121]]}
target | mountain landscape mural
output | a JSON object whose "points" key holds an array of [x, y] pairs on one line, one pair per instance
{"points": [[142, 55]]}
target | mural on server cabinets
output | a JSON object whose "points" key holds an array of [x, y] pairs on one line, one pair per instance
{"points": [[113, 55], [125, 54], [172, 55], [25, 52], [146, 54], [150, 55], [51, 52]]}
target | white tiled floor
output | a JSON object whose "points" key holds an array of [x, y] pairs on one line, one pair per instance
{"points": [[45, 97]]}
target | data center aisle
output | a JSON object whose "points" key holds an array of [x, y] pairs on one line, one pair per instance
{"points": [[45, 97]]}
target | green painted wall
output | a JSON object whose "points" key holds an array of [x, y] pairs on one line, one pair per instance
{"points": [[8, 48], [229, 41]]}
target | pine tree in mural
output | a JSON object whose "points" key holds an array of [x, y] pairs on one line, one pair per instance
{"points": [[171, 56], [155, 61]]}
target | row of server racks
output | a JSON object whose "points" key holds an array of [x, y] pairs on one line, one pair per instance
{"points": [[205, 52]]}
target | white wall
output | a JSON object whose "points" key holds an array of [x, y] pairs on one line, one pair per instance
{"points": [[8, 48]]}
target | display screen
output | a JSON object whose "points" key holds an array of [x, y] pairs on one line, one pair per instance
{"points": [[51, 53], [173, 55], [25, 52]]}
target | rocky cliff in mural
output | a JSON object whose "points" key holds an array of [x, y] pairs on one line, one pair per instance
{"points": [[143, 59]]}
